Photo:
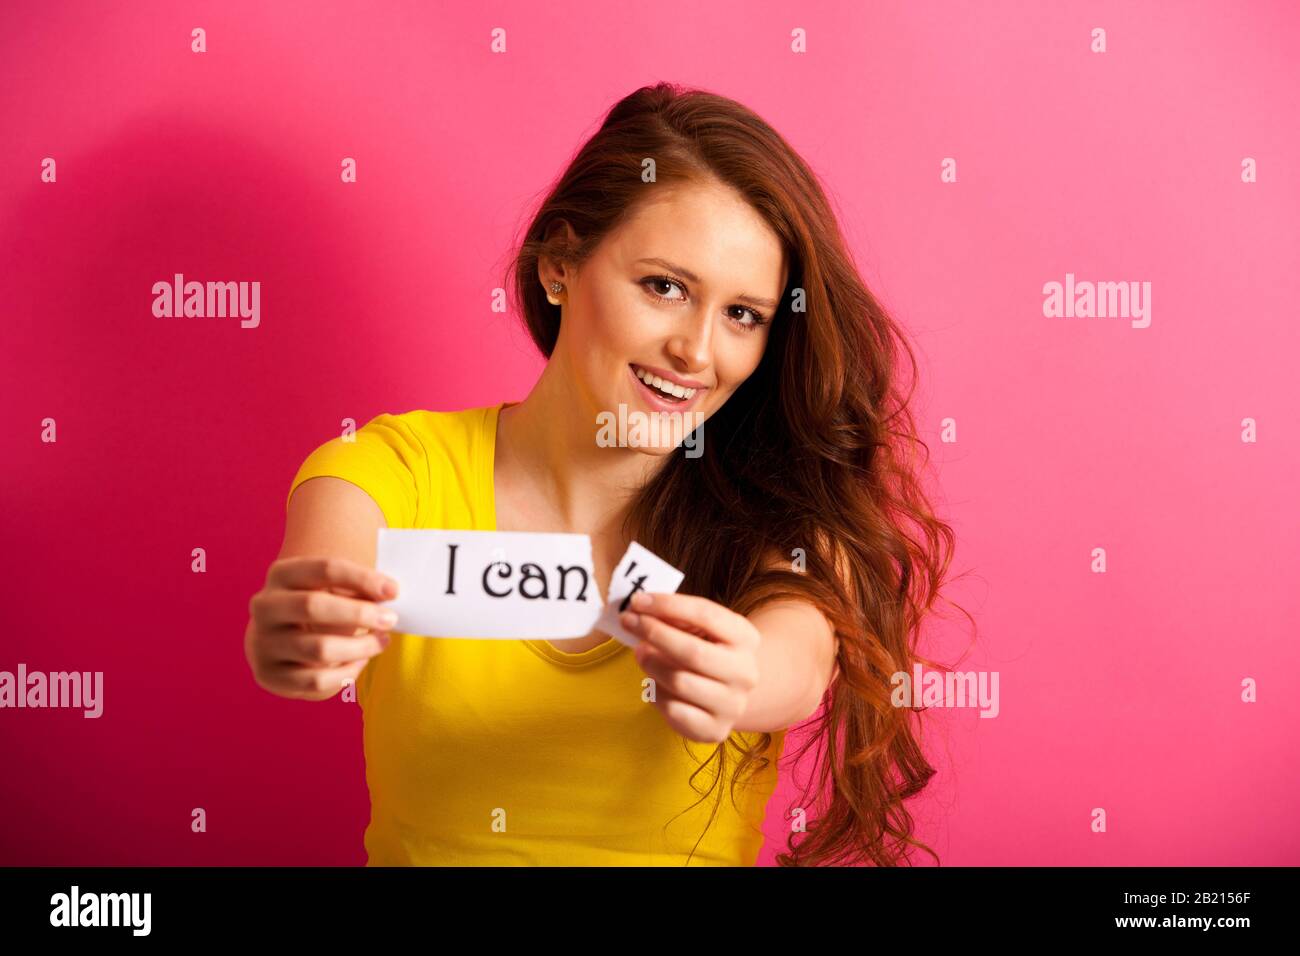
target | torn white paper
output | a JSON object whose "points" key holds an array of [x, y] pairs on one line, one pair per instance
{"points": [[640, 570], [510, 584]]}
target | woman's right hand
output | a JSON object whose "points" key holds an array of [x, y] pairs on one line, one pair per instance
{"points": [[304, 639]]}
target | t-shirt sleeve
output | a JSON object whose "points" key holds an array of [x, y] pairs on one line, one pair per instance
{"points": [[385, 459]]}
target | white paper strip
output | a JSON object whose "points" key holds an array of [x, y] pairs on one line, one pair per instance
{"points": [[502, 584], [510, 584]]}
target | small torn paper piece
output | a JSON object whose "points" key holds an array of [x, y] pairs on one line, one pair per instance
{"points": [[640, 570], [519, 585]]}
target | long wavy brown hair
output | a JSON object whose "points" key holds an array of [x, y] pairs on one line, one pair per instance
{"points": [[815, 457]]}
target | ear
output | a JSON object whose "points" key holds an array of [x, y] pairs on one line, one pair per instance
{"points": [[559, 230], [553, 268], [559, 236]]}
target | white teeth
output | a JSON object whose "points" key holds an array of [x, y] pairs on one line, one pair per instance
{"points": [[677, 391]]}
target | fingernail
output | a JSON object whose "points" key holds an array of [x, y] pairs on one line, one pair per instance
{"points": [[629, 619], [390, 588], [641, 600], [387, 618]]}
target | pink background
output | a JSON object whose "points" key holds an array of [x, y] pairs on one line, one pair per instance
{"points": [[1118, 690]]}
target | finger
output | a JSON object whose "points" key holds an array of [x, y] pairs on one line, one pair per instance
{"points": [[313, 628], [688, 720], [337, 614], [319, 573], [687, 651], [310, 628], [316, 680], [330, 650], [711, 696], [690, 611]]}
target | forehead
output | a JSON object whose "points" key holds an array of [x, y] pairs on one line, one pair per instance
{"points": [[710, 230]]}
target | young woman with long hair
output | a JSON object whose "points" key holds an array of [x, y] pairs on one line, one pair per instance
{"points": [[686, 260]]}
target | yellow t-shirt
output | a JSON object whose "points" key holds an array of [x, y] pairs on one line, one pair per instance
{"points": [[511, 752]]}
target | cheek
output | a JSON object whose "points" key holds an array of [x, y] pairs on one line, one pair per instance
{"points": [[739, 362], [614, 324]]}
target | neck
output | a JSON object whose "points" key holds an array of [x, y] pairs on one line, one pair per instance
{"points": [[546, 446]]}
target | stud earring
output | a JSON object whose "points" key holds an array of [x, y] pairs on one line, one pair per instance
{"points": [[556, 288]]}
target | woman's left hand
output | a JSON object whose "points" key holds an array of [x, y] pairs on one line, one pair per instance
{"points": [[703, 659]]}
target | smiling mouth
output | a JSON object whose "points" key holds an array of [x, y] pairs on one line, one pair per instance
{"points": [[664, 389]]}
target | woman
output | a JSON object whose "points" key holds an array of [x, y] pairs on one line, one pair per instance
{"points": [[687, 260]]}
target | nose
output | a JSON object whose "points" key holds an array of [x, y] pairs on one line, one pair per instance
{"points": [[692, 342]]}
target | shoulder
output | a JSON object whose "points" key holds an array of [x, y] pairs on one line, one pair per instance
{"points": [[803, 558], [799, 613], [444, 426], [411, 463], [449, 456], [440, 436]]}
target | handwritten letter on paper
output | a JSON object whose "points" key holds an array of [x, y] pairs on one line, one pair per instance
{"points": [[640, 570], [510, 584]]}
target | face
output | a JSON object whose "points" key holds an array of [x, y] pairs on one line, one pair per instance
{"points": [[684, 291]]}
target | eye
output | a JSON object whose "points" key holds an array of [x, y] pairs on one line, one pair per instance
{"points": [[663, 280], [757, 318]]}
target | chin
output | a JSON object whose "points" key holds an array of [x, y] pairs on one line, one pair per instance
{"points": [[648, 431], [656, 451]]}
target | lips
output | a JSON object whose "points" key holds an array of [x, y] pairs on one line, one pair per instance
{"points": [[657, 399]]}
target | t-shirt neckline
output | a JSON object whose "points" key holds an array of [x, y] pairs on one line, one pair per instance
{"points": [[488, 485]]}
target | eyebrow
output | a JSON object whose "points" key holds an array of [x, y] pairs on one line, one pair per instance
{"points": [[691, 276]]}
